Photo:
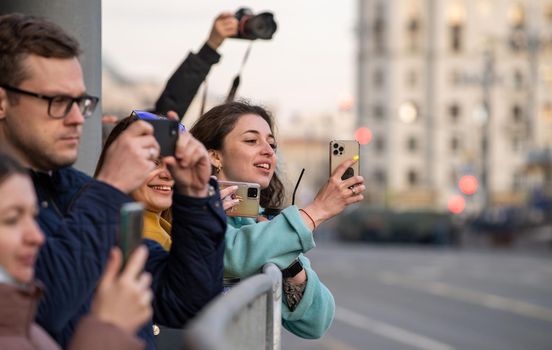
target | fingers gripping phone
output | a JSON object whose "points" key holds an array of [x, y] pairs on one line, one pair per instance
{"points": [[342, 150], [249, 195], [165, 131], [131, 227]]}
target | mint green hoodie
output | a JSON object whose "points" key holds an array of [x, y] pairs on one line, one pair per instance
{"points": [[251, 244]]}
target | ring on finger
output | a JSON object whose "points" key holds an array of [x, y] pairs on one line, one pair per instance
{"points": [[353, 190]]}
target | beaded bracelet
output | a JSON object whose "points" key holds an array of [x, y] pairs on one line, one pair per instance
{"points": [[310, 217]]}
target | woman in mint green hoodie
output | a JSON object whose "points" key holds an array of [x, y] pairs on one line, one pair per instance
{"points": [[242, 147]]}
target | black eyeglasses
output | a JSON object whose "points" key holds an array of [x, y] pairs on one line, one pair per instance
{"points": [[59, 106]]}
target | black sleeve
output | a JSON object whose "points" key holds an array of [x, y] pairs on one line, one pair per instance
{"points": [[74, 254], [190, 275], [185, 81]]}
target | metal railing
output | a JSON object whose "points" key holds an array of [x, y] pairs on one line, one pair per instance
{"points": [[248, 317]]}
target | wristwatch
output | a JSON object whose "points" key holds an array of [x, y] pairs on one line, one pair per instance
{"points": [[293, 269]]}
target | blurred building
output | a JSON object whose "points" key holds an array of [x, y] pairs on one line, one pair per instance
{"points": [[452, 88]]}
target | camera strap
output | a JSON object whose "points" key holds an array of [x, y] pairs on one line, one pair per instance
{"points": [[236, 82]]}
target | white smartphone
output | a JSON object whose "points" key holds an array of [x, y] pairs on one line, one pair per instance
{"points": [[341, 150]]}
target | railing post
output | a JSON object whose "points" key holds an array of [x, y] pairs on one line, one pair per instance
{"points": [[274, 308]]}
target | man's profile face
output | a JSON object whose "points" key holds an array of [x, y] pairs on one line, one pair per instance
{"points": [[42, 142]]}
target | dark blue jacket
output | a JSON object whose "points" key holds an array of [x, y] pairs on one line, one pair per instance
{"points": [[80, 216]]}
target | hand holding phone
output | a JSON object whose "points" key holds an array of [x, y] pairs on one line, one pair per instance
{"points": [[248, 194]]}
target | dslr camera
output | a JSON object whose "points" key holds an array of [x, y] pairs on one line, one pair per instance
{"points": [[251, 27]]}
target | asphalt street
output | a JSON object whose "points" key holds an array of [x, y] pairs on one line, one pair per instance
{"points": [[433, 298]]}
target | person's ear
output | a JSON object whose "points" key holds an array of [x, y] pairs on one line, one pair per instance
{"points": [[3, 103], [216, 158]]}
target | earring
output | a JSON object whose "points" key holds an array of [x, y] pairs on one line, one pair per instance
{"points": [[217, 169]]}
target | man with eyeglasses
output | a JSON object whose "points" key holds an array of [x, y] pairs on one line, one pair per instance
{"points": [[43, 105]]}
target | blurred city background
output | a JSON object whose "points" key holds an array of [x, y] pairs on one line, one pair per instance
{"points": [[451, 101]]}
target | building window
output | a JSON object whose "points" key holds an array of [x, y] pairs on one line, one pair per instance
{"points": [[455, 144], [516, 19], [379, 144], [412, 178], [518, 80], [380, 177], [379, 29], [454, 113], [517, 114], [379, 112], [453, 178], [456, 20], [413, 33], [517, 144], [379, 78], [412, 78], [412, 144]]}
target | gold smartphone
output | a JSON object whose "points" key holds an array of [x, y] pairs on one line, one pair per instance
{"points": [[248, 193], [342, 150]]}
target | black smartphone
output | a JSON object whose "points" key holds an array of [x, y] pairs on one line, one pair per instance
{"points": [[165, 132], [342, 150], [130, 228]]}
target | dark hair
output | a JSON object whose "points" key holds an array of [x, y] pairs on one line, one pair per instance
{"points": [[23, 35], [9, 166], [212, 127]]}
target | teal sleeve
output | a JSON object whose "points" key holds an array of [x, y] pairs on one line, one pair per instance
{"points": [[315, 312], [251, 244]]}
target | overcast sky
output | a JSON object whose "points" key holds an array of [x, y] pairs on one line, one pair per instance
{"points": [[307, 67]]}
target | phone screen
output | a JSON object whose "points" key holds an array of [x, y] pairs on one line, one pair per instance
{"points": [[249, 195], [342, 150], [131, 228]]}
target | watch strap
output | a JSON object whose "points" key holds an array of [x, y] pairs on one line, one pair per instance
{"points": [[293, 269]]}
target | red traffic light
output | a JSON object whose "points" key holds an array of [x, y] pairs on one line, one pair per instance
{"points": [[468, 184]]}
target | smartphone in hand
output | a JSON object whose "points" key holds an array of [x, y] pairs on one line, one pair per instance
{"points": [[131, 227], [249, 195], [342, 150], [165, 131]]}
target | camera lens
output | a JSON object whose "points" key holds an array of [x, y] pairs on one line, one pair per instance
{"points": [[335, 152], [252, 192], [335, 145], [341, 149]]}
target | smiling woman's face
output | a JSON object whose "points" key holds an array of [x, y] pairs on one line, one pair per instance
{"points": [[156, 192], [20, 236], [248, 152]]}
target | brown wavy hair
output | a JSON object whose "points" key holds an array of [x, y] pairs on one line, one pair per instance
{"points": [[212, 127]]}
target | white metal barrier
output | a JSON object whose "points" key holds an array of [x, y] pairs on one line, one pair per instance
{"points": [[248, 317]]}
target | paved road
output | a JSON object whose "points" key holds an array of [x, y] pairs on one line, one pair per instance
{"points": [[434, 299]]}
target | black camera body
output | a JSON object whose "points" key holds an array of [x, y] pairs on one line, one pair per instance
{"points": [[251, 27]]}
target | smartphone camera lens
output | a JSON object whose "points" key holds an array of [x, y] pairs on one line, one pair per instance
{"points": [[335, 145], [252, 192], [340, 149], [335, 152]]}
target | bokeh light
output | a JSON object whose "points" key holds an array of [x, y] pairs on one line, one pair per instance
{"points": [[468, 184], [363, 135], [456, 204]]}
